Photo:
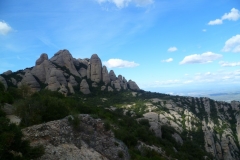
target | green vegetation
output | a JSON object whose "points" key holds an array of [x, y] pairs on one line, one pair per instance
{"points": [[113, 109]]}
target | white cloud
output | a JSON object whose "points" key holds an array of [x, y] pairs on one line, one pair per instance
{"points": [[4, 28], [228, 64], [206, 57], [215, 22], [172, 49], [168, 60], [204, 30], [119, 63], [124, 3], [232, 44], [234, 15]]}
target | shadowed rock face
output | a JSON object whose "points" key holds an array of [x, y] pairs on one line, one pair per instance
{"points": [[84, 87], [64, 58], [96, 68]]}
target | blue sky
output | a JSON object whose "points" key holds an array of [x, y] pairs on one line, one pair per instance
{"points": [[163, 45]]}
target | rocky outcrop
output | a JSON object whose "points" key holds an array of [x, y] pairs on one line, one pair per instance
{"points": [[3, 81], [84, 87], [7, 72], [42, 70], [132, 85], [56, 79], [112, 75], [63, 58], [96, 68], [29, 80], [105, 75], [42, 58], [89, 141]]}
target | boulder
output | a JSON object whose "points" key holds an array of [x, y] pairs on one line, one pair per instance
{"points": [[132, 85], [42, 58], [83, 72], [105, 75], [3, 81], [29, 80], [7, 72], [112, 75], [84, 87], [64, 58], [96, 68]]}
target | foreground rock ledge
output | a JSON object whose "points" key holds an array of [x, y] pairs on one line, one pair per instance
{"points": [[89, 142]]}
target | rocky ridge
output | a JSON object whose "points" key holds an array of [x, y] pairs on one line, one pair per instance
{"points": [[62, 70]]}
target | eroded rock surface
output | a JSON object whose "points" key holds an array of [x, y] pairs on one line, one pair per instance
{"points": [[89, 141]]}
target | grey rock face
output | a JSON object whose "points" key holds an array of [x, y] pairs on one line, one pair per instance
{"points": [[7, 72], [56, 79], [112, 75], [105, 76], [43, 57], [42, 71], [73, 81], [96, 68], [84, 87], [133, 85], [83, 72], [64, 58], [92, 142], [31, 81], [3, 82]]}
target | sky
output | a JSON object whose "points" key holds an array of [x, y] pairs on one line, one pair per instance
{"points": [[167, 46]]}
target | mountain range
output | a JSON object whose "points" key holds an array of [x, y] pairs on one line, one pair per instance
{"points": [[118, 120]]}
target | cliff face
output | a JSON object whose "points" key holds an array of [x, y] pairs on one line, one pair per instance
{"points": [[215, 124], [87, 141]]}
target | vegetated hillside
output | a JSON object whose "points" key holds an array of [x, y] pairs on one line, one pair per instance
{"points": [[110, 112]]}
